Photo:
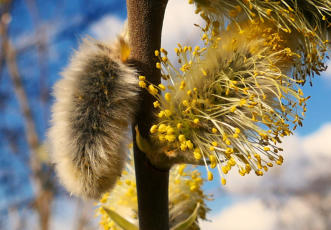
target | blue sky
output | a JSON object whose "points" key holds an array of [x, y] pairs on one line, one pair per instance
{"points": [[103, 20]]}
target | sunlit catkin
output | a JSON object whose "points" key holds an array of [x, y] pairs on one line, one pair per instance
{"points": [[229, 103], [94, 104], [305, 23], [185, 192]]}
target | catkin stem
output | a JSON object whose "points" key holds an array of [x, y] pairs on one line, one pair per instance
{"points": [[145, 19]]}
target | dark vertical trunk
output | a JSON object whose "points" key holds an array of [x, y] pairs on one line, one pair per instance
{"points": [[145, 19]]}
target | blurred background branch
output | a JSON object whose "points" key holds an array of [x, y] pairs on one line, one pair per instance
{"points": [[41, 174], [29, 193]]}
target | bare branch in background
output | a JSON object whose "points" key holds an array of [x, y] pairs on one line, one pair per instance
{"points": [[10, 57], [42, 50], [83, 215], [41, 182], [2, 61], [16, 220]]}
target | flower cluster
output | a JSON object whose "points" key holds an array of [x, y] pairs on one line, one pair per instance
{"points": [[229, 103], [122, 199], [185, 192], [304, 23]]}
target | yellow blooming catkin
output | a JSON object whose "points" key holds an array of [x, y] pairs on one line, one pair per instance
{"points": [[304, 23], [185, 191], [235, 112]]}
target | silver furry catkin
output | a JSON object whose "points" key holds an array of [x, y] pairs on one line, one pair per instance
{"points": [[94, 104]]}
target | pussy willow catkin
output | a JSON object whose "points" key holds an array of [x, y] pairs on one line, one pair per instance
{"points": [[231, 102], [185, 192], [306, 24], [94, 103]]}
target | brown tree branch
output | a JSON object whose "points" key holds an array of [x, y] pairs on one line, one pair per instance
{"points": [[10, 58], [15, 219], [145, 19], [84, 214], [44, 195], [42, 50]]}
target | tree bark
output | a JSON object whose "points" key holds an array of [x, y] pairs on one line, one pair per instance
{"points": [[145, 19]]}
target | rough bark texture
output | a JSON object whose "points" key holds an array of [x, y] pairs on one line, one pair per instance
{"points": [[145, 18]]}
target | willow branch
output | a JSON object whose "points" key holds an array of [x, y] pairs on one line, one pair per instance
{"points": [[145, 19]]}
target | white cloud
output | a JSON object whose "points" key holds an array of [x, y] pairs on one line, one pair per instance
{"points": [[295, 214], [317, 148], [107, 28], [299, 209], [307, 160], [319, 142], [178, 27], [248, 215], [327, 73]]}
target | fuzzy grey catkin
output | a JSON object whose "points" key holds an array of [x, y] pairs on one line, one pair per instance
{"points": [[94, 104]]}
